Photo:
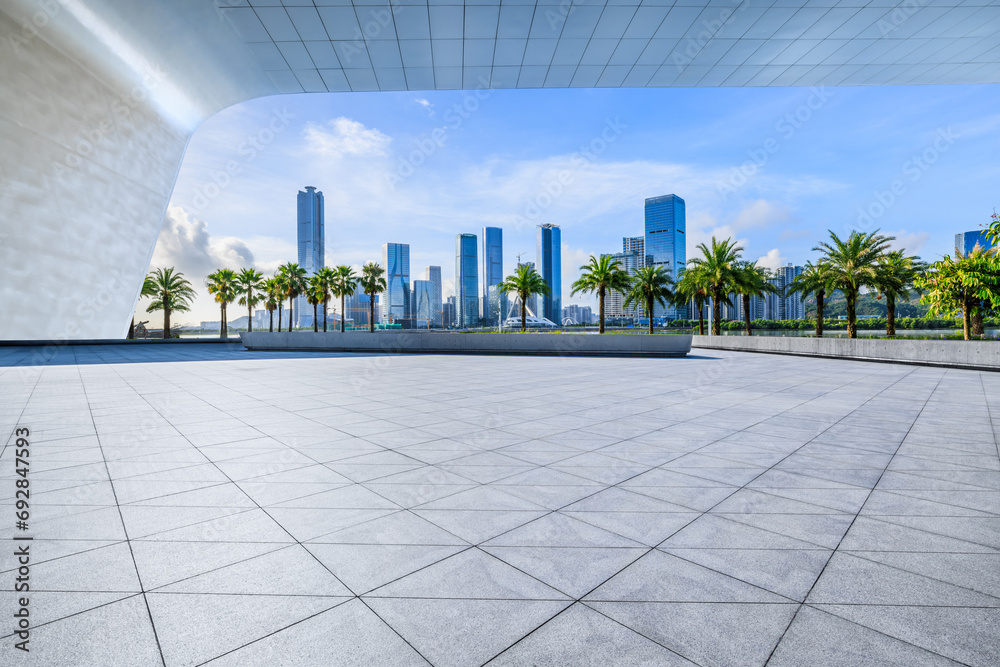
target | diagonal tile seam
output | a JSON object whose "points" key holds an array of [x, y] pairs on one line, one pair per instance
{"points": [[290, 625], [13, 435], [149, 612], [111, 543], [905, 493], [296, 540], [918, 475], [989, 413], [883, 518], [820, 608], [129, 595], [837, 548]]}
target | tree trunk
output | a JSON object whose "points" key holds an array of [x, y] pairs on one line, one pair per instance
{"points": [[270, 324], [716, 312], [649, 313], [324, 314], [290, 309], [343, 313], [222, 325], [279, 316], [600, 299], [315, 319], [967, 318], [701, 320], [166, 323], [131, 330], [371, 313], [977, 324], [852, 315], [890, 315], [249, 313], [746, 313], [820, 295]]}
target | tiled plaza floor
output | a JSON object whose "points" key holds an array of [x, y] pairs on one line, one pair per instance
{"points": [[203, 504]]}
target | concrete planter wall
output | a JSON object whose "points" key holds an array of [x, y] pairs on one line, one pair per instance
{"points": [[408, 342], [952, 353]]}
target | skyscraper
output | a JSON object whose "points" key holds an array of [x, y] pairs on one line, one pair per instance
{"points": [[665, 243], [396, 300], [492, 268], [466, 281], [433, 274], [448, 312], [423, 293], [634, 244], [966, 241], [550, 268], [311, 245]]}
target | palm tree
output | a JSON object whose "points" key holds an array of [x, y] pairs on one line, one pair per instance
{"points": [[273, 291], [814, 279], [896, 276], [325, 280], [222, 283], [148, 290], [752, 281], [294, 277], [524, 282], [345, 284], [966, 283], [718, 273], [314, 295], [853, 264], [650, 286], [692, 288], [279, 283], [249, 284], [601, 275], [172, 293], [372, 282]]}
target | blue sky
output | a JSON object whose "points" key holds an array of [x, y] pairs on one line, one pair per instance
{"points": [[772, 167]]}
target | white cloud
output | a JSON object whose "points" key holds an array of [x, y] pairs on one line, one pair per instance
{"points": [[343, 136], [427, 104], [772, 260], [185, 244], [911, 242]]}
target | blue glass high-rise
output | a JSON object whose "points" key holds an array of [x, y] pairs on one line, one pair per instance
{"points": [[665, 243], [966, 241], [396, 304], [466, 281], [492, 268], [311, 238], [550, 268], [433, 274]]}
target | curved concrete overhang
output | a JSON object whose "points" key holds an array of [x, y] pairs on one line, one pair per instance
{"points": [[98, 98]]}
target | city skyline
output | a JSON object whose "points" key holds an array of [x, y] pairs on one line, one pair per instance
{"points": [[498, 168]]}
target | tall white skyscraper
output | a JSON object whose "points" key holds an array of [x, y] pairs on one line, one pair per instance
{"points": [[311, 238]]}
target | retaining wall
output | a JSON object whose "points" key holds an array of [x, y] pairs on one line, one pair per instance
{"points": [[437, 342], [951, 353]]}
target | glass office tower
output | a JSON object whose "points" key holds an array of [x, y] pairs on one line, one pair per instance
{"points": [[550, 267], [966, 241], [466, 281], [423, 293], [665, 243], [311, 243], [492, 268], [396, 299], [433, 274]]}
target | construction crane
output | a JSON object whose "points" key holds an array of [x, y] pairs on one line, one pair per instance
{"points": [[519, 257]]}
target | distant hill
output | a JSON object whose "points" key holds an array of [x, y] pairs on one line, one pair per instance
{"points": [[836, 306]]}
